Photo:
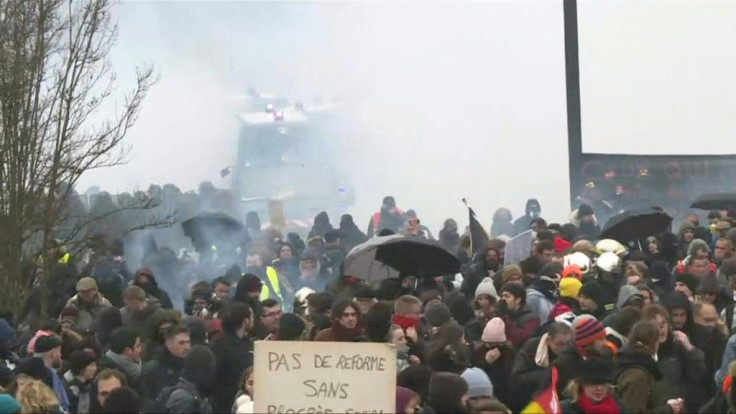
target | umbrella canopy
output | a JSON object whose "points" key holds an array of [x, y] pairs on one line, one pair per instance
{"points": [[715, 201], [635, 225], [389, 256], [209, 228]]}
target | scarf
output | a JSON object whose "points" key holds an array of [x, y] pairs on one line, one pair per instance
{"points": [[343, 334], [131, 369], [541, 357], [607, 406], [405, 322]]}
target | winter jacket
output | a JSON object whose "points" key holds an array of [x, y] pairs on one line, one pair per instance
{"points": [[639, 383], [79, 394], [152, 289], [233, 356], [186, 398], [539, 304], [570, 365], [243, 404], [472, 277], [520, 326], [527, 376], [160, 372], [499, 372], [87, 314], [139, 319], [683, 372]]}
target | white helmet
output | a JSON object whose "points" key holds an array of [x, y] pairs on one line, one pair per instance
{"points": [[579, 259], [609, 262], [612, 246]]}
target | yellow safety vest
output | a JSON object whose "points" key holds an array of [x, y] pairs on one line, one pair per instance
{"points": [[273, 277], [65, 258]]}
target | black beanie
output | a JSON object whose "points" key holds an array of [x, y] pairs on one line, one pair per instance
{"points": [[199, 367], [291, 327], [416, 378], [688, 280], [47, 343], [584, 210], [596, 371], [437, 314], [592, 291], [446, 389], [197, 329]]}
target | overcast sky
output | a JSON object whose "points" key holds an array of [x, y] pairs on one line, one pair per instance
{"points": [[461, 99]]}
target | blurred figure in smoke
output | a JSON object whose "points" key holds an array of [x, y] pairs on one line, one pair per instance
{"points": [[389, 217], [334, 253], [253, 225], [533, 210], [312, 275], [449, 237], [351, 235], [414, 227], [145, 279], [297, 244], [287, 262], [321, 225], [502, 223]]}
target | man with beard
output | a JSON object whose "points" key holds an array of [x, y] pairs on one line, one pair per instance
{"points": [[389, 217], [521, 322], [449, 237], [311, 273], [524, 223], [48, 350], [89, 303], [487, 264]]}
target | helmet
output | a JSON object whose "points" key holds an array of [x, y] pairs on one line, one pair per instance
{"points": [[612, 246], [580, 260], [609, 262]]}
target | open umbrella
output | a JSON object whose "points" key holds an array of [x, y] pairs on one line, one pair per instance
{"points": [[389, 256], [210, 228], [635, 225], [715, 201]]}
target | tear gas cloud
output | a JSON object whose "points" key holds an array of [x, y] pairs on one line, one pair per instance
{"points": [[453, 99]]}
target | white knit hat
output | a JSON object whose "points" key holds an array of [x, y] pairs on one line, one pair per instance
{"points": [[486, 287]]}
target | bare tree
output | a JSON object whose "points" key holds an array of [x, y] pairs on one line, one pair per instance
{"points": [[60, 118]]}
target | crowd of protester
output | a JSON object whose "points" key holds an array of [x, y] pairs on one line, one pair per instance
{"points": [[639, 327]]}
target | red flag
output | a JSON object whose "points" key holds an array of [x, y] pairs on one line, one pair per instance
{"points": [[548, 402]]}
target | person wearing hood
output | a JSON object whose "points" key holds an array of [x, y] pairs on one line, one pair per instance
{"points": [[139, 309], [287, 262], [345, 324], [449, 236], [520, 321], [542, 295], [533, 362], [681, 312], [681, 363], [638, 380], [661, 279], [584, 219], [533, 210], [145, 279], [312, 275], [697, 260], [189, 395], [684, 237], [712, 292], [164, 369], [415, 228], [89, 303], [590, 300], [710, 337], [686, 284], [351, 234], [388, 217], [502, 225], [253, 225], [619, 326], [487, 263], [321, 225]]}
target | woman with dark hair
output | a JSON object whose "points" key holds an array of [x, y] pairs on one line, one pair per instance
{"points": [[345, 324], [681, 363], [287, 262], [639, 382]]}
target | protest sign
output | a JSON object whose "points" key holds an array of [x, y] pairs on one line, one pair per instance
{"points": [[518, 248], [324, 377]]}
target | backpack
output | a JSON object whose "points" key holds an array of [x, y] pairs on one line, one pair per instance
{"points": [[159, 406]]}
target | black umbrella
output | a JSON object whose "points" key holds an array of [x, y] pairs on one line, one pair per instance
{"points": [[715, 201], [209, 228], [400, 255], [635, 225]]}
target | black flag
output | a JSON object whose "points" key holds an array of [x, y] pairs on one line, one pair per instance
{"points": [[478, 236]]}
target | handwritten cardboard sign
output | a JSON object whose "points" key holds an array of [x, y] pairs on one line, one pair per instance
{"points": [[324, 377]]}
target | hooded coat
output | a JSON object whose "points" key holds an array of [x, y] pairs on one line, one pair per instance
{"points": [[639, 382], [539, 299], [350, 233], [524, 222], [140, 319], [152, 289], [683, 373], [321, 226]]}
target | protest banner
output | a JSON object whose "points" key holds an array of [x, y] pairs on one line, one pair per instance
{"points": [[519, 248], [324, 377]]}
